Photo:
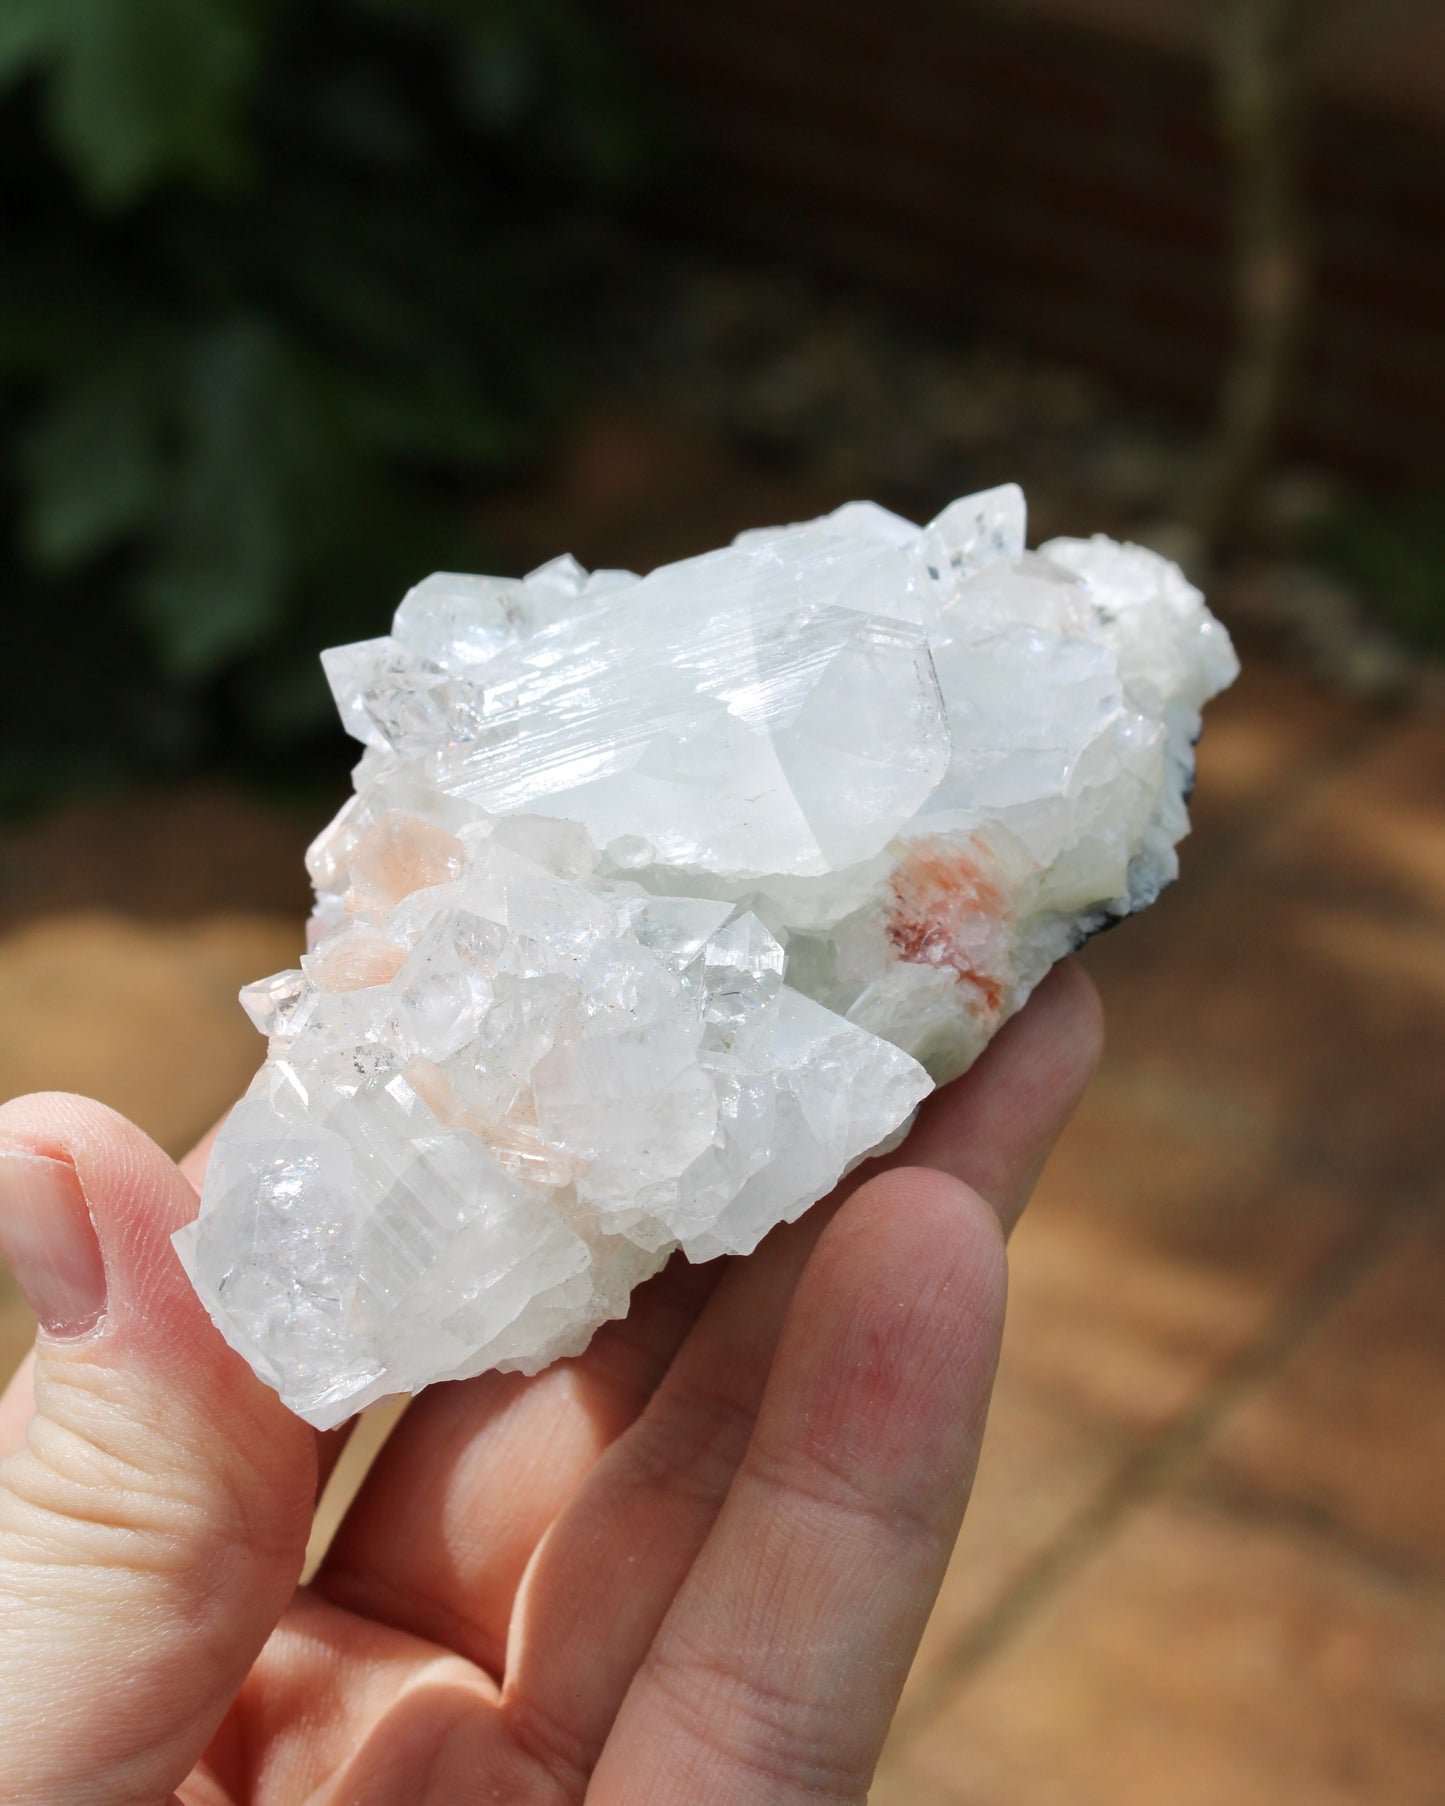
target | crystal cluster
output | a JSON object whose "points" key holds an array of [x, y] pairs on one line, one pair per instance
{"points": [[662, 901]]}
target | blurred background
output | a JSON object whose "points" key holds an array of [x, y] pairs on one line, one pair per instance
{"points": [[300, 302]]}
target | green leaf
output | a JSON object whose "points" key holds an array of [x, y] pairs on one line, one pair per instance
{"points": [[146, 89], [1391, 550], [215, 588], [498, 79], [291, 699], [205, 606], [282, 288], [27, 34], [92, 464]]}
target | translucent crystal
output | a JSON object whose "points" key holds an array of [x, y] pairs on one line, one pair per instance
{"points": [[664, 900]]}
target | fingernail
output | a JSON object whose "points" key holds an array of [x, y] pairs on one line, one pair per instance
{"points": [[48, 1241]]}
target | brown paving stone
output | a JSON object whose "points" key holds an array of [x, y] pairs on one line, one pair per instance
{"points": [[17, 1327], [1350, 1431], [899, 1783], [1375, 833], [142, 1017], [1137, 1280], [1263, 738], [1202, 1658], [199, 849], [1044, 1462], [1153, 1254], [1259, 1030], [1318, 1018]]}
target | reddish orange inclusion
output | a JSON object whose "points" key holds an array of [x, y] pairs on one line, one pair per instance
{"points": [[937, 889]]}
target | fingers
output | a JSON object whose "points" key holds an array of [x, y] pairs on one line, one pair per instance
{"points": [[606, 1573], [152, 1527], [996, 1126], [345, 1712], [441, 1532], [776, 1671]]}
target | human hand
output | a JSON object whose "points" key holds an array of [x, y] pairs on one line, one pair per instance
{"points": [[691, 1565]]}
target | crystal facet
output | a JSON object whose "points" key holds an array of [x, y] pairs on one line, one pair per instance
{"points": [[661, 902]]}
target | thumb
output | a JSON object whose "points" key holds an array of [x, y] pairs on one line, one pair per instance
{"points": [[153, 1526]]}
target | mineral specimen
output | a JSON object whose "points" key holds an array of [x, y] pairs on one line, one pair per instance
{"points": [[661, 902]]}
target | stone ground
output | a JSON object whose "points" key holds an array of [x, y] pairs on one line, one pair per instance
{"points": [[1204, 1566]]}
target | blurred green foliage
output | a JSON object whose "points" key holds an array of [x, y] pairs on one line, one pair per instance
{"points": [[282, 283], [1390, 550]]}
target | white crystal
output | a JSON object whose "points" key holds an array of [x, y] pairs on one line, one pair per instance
{"points": [[664, 900]]}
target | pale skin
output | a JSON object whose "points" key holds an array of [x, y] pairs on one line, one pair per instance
{"points": [[692, 1565]]}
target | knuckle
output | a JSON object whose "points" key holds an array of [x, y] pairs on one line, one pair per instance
{"points": [[825, 1486], [561, 1753], [785, 1740], [107, 1484], [688, 1442]]}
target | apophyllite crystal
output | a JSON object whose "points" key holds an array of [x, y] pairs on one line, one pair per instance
{"points": [[661, 902]]}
